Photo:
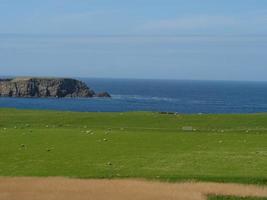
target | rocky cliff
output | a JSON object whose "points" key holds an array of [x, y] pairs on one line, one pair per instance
{"points": [[45, 87]]}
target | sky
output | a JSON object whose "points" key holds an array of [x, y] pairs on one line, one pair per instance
{"points": [[157, 39]]}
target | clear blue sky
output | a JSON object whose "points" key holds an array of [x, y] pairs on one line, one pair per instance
{"points": [[170, 39]]}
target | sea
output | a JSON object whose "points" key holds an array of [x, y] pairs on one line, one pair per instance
{"points": [[180, 96]]}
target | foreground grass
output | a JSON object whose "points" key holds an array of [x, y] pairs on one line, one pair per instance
{"points": [[234, 198], [223, 148]]}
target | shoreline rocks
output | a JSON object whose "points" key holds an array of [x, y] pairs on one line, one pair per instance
{"points": [[103, 95], [46, 87]]}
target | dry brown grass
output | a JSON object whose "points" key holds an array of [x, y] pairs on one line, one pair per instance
{"points": [[69, 189]]}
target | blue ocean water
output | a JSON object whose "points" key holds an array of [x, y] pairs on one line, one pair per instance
{"points": [[158, 95]]}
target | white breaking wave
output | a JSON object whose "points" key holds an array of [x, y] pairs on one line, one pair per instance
{"points": [[144, 98]]}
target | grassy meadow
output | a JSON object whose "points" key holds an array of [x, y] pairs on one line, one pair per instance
{"points": [[221, 148], [235, 198]]}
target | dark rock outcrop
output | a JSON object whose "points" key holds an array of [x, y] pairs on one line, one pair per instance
{"points": [[44, 87], [103, 95]]}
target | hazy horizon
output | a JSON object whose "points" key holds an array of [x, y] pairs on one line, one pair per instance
{"points": [[171, 39], [130, 79]]}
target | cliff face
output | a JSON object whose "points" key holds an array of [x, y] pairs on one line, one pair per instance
{"points": [[44, 87]]}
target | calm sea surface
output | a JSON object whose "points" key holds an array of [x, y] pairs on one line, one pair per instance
{"points": [[159, 95]]}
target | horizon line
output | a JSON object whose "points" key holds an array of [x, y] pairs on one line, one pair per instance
{"points": [[125, 35], [119, 78]]}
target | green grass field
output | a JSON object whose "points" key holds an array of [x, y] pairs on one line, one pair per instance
{"points": [[223, 148], [234, 198]]}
